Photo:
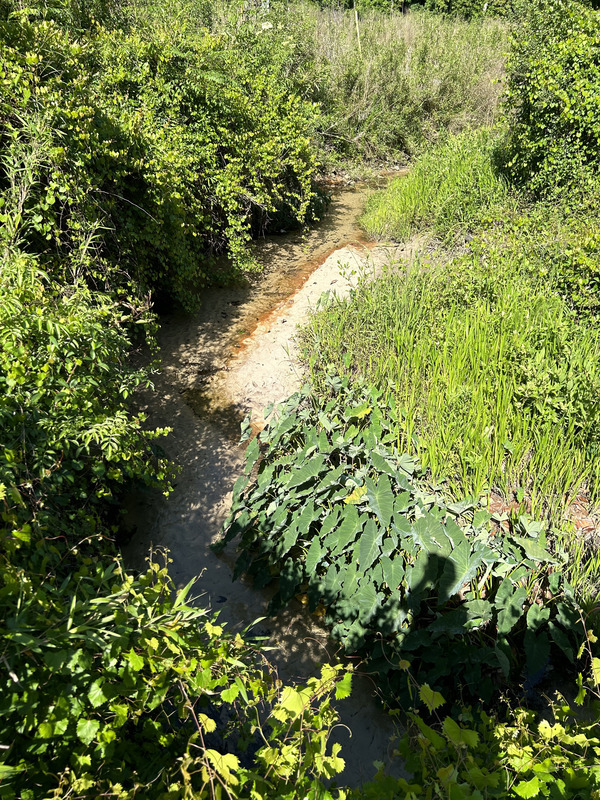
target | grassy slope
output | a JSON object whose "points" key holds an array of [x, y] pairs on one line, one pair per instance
{"points": [[487, 345]]}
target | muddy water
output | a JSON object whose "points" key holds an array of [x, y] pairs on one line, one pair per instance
{"points": [[232, 358]]}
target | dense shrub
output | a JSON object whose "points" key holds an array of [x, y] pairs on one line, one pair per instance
{"points": [[476, 756], [176, 144], [115, 686], [552, 99]]}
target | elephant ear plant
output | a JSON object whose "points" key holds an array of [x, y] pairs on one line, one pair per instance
{"points": [[331, 508]]}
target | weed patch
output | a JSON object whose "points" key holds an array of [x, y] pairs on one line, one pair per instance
{"points": [[495, 381], [340, 513]]}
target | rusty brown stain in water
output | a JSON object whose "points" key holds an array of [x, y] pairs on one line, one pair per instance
{"points": [[298, 280]]}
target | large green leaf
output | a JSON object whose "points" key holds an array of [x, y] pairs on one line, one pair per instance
{"points": [[284, 426], [313, 556], [367, 600], [533, 550], [393, 571], [329, 522], [458, 735], [512, 611], [460, 568], [390, 544], [346, 603], [403, 502], [307, 472], [289, 539], [369, 545], [329, 480], [251, 454], [300, 528], [429, 533], [537, 616], [349, 529], [382, 465], [454, 533], [332, 582], [381, 499]]}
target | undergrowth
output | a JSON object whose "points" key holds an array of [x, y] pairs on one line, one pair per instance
{"points": [[406, 80], [386, 85], [450, 190], [338, 510], [495, 381], [487, 348]]}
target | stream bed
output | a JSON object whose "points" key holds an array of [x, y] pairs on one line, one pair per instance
{"points": [[232, 358]]}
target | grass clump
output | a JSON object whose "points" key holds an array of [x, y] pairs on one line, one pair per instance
{"points": [[451, 188], [494, 378], [487, 349]]}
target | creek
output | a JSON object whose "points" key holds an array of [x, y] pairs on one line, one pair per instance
{"points": [[230, 359]]}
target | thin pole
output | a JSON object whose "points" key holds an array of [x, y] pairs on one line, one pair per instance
{"points": [[357, 30]]}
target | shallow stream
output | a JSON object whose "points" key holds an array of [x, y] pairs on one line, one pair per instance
{"points": [[232, 358]]}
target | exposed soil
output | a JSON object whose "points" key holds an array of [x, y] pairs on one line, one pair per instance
{"points": [[233, 358]]}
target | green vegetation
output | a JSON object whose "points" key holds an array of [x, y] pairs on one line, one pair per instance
{"points": [[170, 143], [339, 513], [127, 160], [450, 190], [112, 684], [117, 686], [408, 79], [552, 99], [141, 147], [495, 378], [478, 756], [488, 349]]}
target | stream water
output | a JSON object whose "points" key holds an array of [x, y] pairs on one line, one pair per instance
{"points": [[232, 358]]}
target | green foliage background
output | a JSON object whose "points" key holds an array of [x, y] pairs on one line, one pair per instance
{"points": [[176, 145], [142, 145], [552, 98]]}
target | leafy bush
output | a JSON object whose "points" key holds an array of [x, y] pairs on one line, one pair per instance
{"points": [[480, 756], [552, 96], [114, 686], [515, 753], [179, 146], [69, 439], [340, 514], [472, 8]]}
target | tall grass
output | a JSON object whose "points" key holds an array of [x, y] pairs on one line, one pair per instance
{"points": [[385, 89], [418, 74], [451, 187], [495, 381]]}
